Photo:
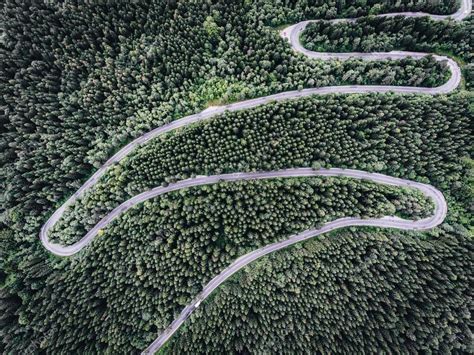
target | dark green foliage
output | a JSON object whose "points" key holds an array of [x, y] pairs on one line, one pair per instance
{"points": [[374, 34], [82, 80], [134, 279], [330, 130], [277, 12], [347, 293], [411, 136], [377, 34], [79, 80]]}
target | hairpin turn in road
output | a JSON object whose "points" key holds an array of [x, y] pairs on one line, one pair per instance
{"points": [[292, 33]]}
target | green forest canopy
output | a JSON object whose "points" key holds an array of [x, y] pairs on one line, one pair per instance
{"points": [[81, 80]]}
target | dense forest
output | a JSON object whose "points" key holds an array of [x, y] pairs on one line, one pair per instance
{"points": [[153, 260], [376, 34], [80, 80], [321, 298], [80, 84], [279, 12], [367, 132]]}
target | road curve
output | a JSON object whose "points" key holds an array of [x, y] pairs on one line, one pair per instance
{"points": [[428, 190], [292, 34], [386, 222]]}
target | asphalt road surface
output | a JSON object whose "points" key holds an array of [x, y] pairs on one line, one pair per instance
{"points": [[292, 34], [387, 222]]}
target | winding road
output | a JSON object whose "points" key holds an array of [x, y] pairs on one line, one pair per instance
{"points": [[292, 34]]}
